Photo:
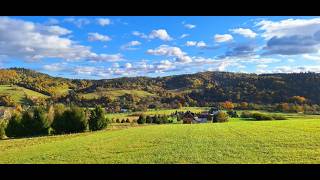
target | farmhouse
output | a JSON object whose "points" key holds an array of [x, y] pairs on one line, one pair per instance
{"points": [[192, 118], [188, 117]]}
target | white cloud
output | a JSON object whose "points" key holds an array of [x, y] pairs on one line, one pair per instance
{"points": [[130, 45], [57, 30], [98, 37], [184, 36], [128, 65], [191, 43], [311, 57], [200, 44], [55, 67], [248, 33], [223, 38], [289, 27], [106, 57], [79, 22], [165, 50], [103, 21], [189, 26], [33, 42], [160, 34], [155, 34], [139, 34]]}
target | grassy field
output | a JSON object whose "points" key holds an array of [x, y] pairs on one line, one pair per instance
{"points": [[131, 116], [116, 93], [18, 93], [296, 140]]}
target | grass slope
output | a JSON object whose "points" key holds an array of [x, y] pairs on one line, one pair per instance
{"points": [[116, 93], [18, 93], [287, 141]]}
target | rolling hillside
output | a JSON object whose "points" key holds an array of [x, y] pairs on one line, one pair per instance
{"points": [[18, 93]]}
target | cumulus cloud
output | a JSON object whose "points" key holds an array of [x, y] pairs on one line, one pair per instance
{"points": [[289, 27], [103, 21], [165, 50], [248, 33], [223, 38], [98, 37], [32, 42], [160, 34], [291, 36], [130, 45], [155, 34], [189, 26]]}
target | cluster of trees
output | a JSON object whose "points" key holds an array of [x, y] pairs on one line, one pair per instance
{"points": [[262, 116], [56, 119], [156, 119]]}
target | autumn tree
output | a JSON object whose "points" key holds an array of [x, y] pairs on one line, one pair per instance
{"points": [[228, 105]]}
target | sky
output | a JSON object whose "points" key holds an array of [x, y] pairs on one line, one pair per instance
{"points": [[126, 46]]}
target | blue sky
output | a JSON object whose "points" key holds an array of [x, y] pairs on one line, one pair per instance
{"points": [[117, 46]]}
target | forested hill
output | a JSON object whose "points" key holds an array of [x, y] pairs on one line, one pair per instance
{"points": [[199, 88]]}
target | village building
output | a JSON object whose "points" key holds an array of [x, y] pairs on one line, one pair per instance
{"points": [[192, 118]]}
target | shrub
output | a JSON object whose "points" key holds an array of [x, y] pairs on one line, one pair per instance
{"points": [[156, 119], [178, 118], [246, 114], [72, 120], [123, 121], [127, 121], [97, 120], [118, 121], [14, 126], [278, 117], [141, 120], [233, 114], [3, 125], [260, 116], [36, 122], [149, 119], [220, 117]]}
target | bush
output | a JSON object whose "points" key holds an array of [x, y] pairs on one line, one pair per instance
{"points": [[278, 117], [220, 117], [127, 121], [123, 121], [97, 120], [260, 116], [149, 119], [141, 120], [72, 121], [233, 114], [246, 114], [36, 122], [3, 125], [14, 126], [118, 121], [156, 119]]}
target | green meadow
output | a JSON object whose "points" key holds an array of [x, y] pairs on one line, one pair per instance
{"points": [[18, 93], [296, 140]]}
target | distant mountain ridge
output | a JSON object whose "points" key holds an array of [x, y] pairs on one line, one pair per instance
{"points": [[203, 87]]}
